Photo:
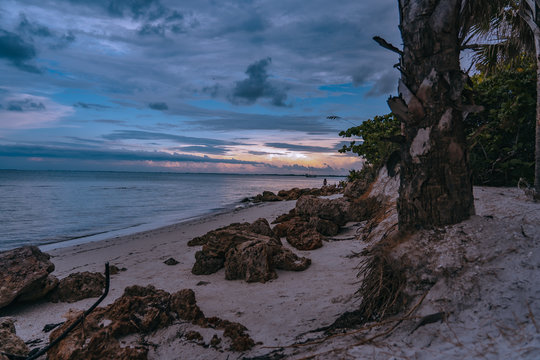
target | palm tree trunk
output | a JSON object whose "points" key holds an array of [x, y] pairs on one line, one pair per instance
{"points": [[537, 142], [436, 186]]}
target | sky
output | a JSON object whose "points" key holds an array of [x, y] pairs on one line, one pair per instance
{"points": [[240, 86]]}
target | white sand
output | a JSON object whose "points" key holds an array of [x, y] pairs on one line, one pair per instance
{"points": [[495, 324]]}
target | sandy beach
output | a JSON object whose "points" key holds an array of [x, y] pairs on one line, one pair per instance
{"points": [[279, 313]]}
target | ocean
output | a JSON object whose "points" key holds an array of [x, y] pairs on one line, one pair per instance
{"points": [[44, 207]]}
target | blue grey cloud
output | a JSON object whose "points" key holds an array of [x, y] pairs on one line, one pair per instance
{"points": [[145, 135], [85, 105], [257, 86], [305, 148], [25, 105], [17, 51], [51, 152], [158, 106]]}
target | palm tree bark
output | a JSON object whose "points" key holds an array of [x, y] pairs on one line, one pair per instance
{"points": [[436, 186], [532, 18]]}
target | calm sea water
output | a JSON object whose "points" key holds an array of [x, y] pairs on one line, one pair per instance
{"points": [[41, 207]]}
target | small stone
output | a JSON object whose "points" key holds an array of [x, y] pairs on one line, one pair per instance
{"points": [[170, 261]]}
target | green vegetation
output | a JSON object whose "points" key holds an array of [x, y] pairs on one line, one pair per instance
{"points": [[374, 144], [501, 138]]}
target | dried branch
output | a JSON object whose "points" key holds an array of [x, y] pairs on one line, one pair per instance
{"points": [[385, 44]]}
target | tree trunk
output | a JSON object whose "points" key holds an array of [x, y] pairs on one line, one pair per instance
{"points": [[536, 32], [436, 186]]}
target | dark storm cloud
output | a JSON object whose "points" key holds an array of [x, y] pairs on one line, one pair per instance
{"points": [[23, 151], [305, 148], [144, 135], [33, 28], [213, 150], [158, 106], [239, 121], [17, 51], [257, 86], [85, 105], [25, 105], [386, 84]]}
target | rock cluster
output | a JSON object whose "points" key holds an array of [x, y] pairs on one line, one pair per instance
{"points": [[247, 251], [295, 194], [25, 275], [313, 218], [140, 310]]}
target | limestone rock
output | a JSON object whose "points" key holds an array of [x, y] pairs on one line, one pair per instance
{"points": [[285, 259], [335, 210], [300, 233], [139, 311], [78, 286], [247, 251], [250, 261], [24, 275], [10, 343], [356, 188]]}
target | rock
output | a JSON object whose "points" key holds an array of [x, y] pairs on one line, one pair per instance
{"points": [[212, 256], [139, 311], [184, 304], [78, 286], [285, 217], [325, 227], [24, 275], [247, 252], [10, 343], [240, 341], [113, 269], [269, 196], [170, 261], [261, 227], [194, 336], [335, 210], [250, 261], [215, 341], [285, 259], [206, 264], [300, 233], [356, 188], [310, 239]]}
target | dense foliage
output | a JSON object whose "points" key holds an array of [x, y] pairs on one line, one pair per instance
{"points": [[501, 138], [374, 135]]}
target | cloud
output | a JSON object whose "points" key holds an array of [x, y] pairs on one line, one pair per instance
{"points": [[17, 51], [85, 105], [53, 152], [33, 28], [25, 111], [27, 104], [158, 106], [239, 121], [257, 86], [385, 84], [303, 148], [144, 135], [214, 150]]}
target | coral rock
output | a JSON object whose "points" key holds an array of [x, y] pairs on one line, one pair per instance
{"points": [[78, 286], [24, 275], [10, 343]]}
